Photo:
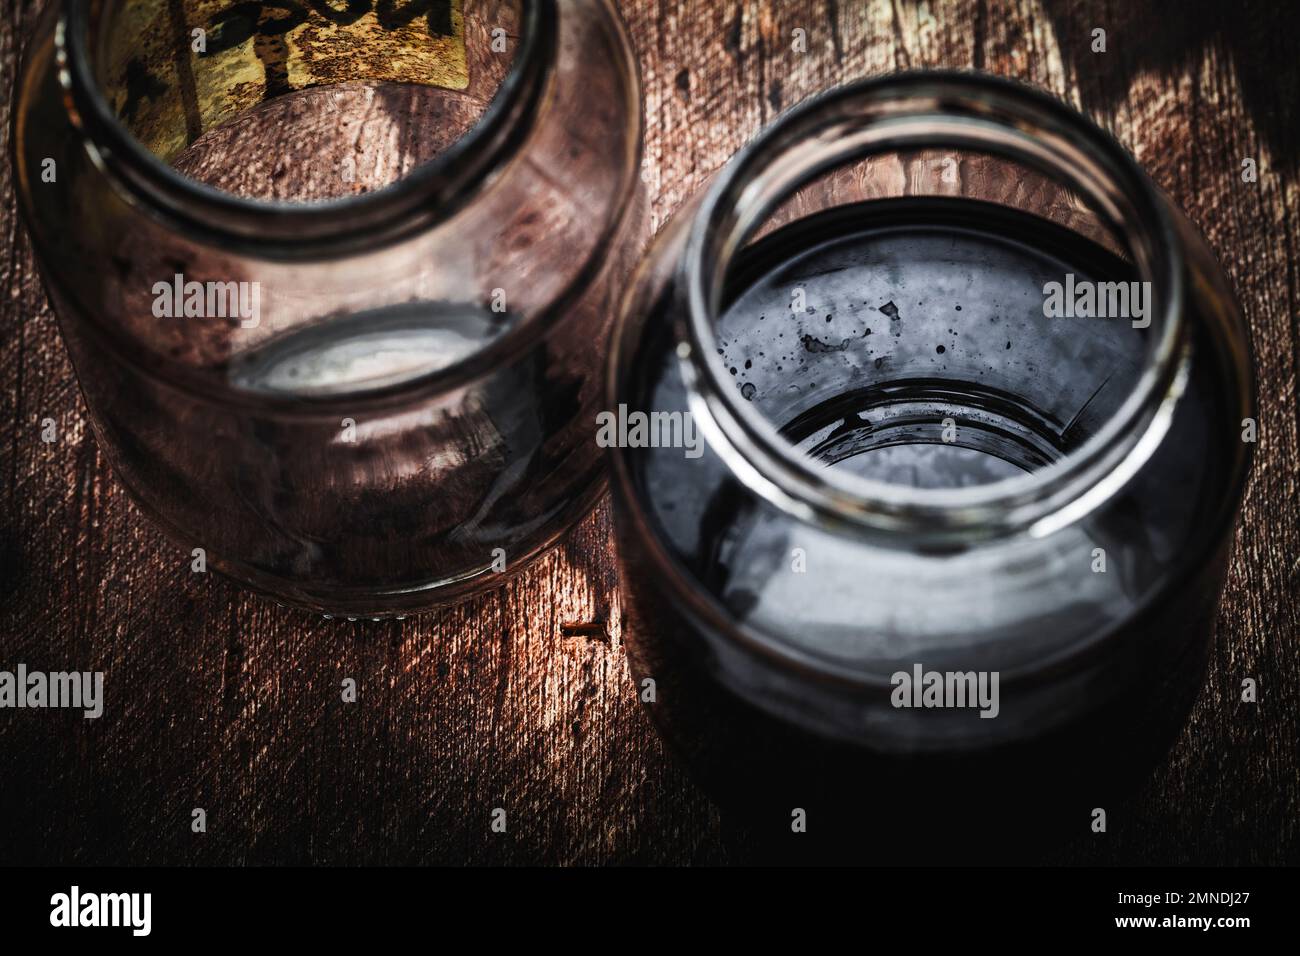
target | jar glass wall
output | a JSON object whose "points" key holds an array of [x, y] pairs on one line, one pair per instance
{"points": [[941, 444], [358, 378]]}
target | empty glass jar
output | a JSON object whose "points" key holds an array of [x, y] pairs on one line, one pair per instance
{"points": [[330, 272], [934, 419]]}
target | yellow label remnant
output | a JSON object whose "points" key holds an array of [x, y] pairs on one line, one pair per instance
{"points": [[173, 69]]}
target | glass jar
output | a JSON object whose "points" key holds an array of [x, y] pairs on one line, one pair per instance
{"points": [[916, 544], [359, 402]]}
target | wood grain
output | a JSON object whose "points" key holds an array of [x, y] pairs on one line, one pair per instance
{"points": [[220, 700]]}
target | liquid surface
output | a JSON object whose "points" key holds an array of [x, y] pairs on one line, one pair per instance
{"points": [[918, 354]]}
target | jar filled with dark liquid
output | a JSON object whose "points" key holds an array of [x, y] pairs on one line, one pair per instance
{"points": [[329, 273], [935, 417]]}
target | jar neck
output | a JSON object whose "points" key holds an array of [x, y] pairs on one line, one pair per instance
{"points": [[428, 195], [948, 111]]}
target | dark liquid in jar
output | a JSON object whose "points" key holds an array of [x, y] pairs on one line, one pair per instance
{"points": [[863, 333]]}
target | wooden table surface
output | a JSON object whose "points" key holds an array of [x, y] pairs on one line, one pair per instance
{"points": [[220, 700]]}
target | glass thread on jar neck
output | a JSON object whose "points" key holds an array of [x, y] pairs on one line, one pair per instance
{"points": [[953, 110]]}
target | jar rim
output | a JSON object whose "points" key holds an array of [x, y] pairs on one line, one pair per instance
{"points": [[977, 111], [430, 193]]}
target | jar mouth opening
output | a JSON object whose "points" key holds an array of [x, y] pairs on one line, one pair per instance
{"points": [[927, 110], [428, 194]]}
